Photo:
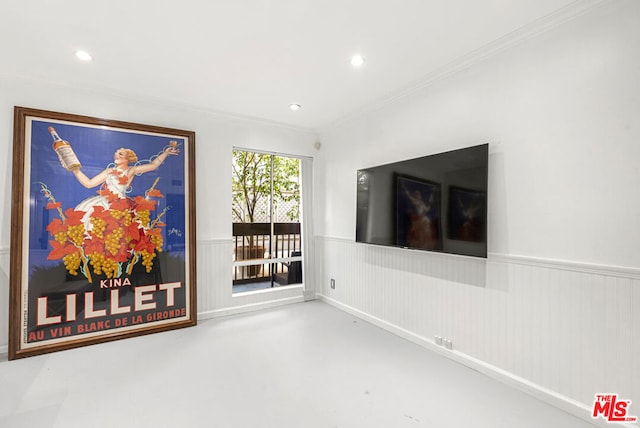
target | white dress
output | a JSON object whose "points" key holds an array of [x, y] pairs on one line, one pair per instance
{"points": [[114, 185]]}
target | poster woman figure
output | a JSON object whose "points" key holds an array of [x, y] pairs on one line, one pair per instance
{"points": [[117, 178]]}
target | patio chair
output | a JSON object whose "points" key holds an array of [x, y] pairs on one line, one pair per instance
{"points": [[294, 271]]}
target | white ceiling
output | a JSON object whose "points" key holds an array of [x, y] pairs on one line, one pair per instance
{"points": [[255, 57]]}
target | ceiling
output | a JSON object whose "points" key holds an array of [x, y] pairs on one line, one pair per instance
{"points": [[255, 57]]}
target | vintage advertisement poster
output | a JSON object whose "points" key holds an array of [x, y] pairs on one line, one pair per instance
{"points": [[103, 231]]}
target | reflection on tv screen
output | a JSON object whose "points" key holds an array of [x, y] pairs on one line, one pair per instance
{"points": [[432, 203]]}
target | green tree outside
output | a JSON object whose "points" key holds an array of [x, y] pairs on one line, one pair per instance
{"points": [[251, 185]]}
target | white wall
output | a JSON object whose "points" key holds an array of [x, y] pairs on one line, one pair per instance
{"points": [[556, 304], [216, 134]]}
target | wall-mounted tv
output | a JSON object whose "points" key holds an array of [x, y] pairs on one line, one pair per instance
{"points": [[432, 203]]}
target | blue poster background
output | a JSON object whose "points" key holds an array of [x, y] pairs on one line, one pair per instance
{"points": [[95, 148]]}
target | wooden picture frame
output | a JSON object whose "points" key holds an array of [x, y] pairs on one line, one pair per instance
{"points": [[102, 231]]}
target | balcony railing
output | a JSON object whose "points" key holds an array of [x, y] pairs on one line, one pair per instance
{"points": [[252, 241]]}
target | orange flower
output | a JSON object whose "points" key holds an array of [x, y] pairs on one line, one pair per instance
{"points": [[56, 226], [74, 217], [155, 193], [60, 250]]}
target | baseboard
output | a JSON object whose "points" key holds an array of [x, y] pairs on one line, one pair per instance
{"points": [[234, 310], [548, 396]]}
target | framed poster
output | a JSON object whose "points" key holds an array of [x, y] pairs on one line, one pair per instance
{"points": [[418, 213], [102, 231]]}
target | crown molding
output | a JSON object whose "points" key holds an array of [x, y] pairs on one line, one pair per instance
{"points": [[154, 101], [508, 41]]}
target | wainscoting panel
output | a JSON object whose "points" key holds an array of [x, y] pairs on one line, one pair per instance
{"points": [[215, 295], [565, 328]]}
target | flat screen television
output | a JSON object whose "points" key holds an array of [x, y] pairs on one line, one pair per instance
{"points": [[432, 203]]}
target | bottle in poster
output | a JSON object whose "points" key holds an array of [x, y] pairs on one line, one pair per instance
{"points": [[67, 156]]}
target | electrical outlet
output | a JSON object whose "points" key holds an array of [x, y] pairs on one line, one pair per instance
{"points": [[333, 284], [438, 340], [448, 344]]}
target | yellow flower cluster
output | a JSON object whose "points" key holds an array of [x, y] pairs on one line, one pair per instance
{"points": [[158, 241], [144, 217], [112, 242], [122, 214], [72, 263], [98, 226], [76, 233], [147, 259], [61, 237], [102, 264]]}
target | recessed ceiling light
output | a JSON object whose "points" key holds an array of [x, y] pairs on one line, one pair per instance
{"points": [[357, 60], [295, 106], [83, 56]]}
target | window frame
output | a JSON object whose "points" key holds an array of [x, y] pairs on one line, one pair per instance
{"points": [[270, 260]]}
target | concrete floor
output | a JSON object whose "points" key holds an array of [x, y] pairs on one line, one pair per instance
{"points": [[305, 365]]}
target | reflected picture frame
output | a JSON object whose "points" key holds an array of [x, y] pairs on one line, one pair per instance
{"points": [[417, 213], [467, 215]]}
